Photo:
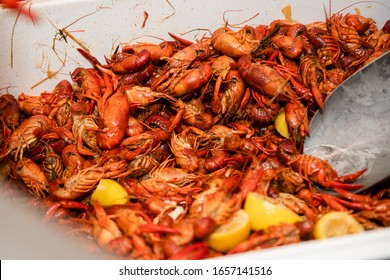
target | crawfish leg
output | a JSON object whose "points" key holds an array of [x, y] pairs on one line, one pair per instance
{"points": [[335, 184], [351, 177]]}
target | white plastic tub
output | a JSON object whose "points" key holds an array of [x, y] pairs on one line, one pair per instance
{"points": [[30, 53], [118, 21]]}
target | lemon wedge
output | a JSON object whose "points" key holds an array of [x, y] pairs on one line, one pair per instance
{"points": [[264, 212], [109, 192], [281, 125], [336, 224], [228, 235]]}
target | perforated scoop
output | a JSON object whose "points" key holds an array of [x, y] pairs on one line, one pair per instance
{"points": [[352, 132]]}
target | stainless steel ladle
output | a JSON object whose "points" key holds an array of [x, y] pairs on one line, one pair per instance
{"points": [[352, 131]]}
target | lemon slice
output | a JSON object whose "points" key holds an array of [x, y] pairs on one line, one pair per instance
{"points": [[336, 224], [264, 212], [281, 125], [109, 192], [228, 235]]}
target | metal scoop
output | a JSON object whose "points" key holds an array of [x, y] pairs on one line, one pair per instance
{"points": [[352, 132]]}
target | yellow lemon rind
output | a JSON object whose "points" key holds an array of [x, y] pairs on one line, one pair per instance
{"points": [[229, 235], [109, 192], [336, 223], [264, 212]]}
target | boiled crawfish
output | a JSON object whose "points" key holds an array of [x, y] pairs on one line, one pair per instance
{"points": [[33, 176], [264, 79], [10, 113], [234, 44], [315, 170], [27, 135], [81, 183]]}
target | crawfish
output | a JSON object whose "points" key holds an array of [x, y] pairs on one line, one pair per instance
{"points": [[114, 116], [52, 165], [195, 251], [225, 137], [297, 120], [362, 25], [138, 78], [297, 205], [84, 129], [171, 175], [379, 40], [157, 52], [80, 184], [264, 79], [221, 66], [127, 219], [267, 143], [184, 153], [73, 162], [346, 35], [218, 202], [291, 47], [192, 113], [315, 170], [10, 112], [263, 112], [62, 103], [327, 48], [379, 211], [186, 56], [136, 225], [186, 81], [231, 97], [124, 63], [180, 76], [134, 127], [286, 180], [152, 137], [273, 237], [33, 176], [191, 80], [27, 135], [89, 81], [142, 143], [234, 44], [220, 159], [144, 96], [34, 105], [107, 233], [142, 165], [287, 27], [158, 206], [334, 77], [186, 234], [158, 121], [313, 75], [285, 37], [166, 190], [61, 209]]}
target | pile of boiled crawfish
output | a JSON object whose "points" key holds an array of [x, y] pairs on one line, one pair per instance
{"points": [[188, 127]]}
